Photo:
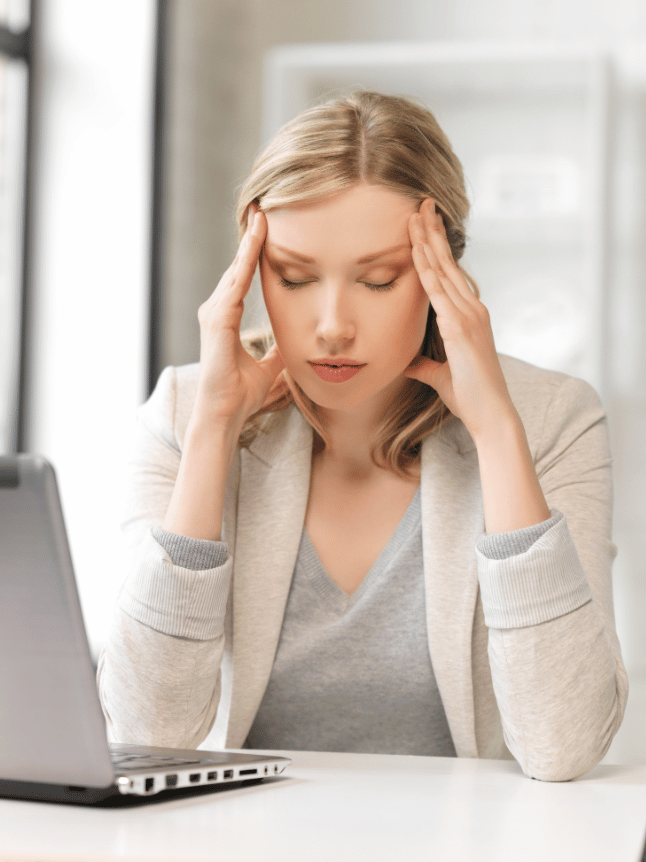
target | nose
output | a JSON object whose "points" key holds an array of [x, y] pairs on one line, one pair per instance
{"points": [[336, 320]]}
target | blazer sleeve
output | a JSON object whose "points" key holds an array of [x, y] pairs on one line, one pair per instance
{"points": [[159, 672], [556, 664]]}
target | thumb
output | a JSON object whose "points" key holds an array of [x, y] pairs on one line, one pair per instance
{"points": [[425, 370], [272, 362]]}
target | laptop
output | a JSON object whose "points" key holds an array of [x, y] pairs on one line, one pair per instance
{"points": [[53, 740]]}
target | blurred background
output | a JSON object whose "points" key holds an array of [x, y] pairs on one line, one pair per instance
{"points": [[126, 128]]}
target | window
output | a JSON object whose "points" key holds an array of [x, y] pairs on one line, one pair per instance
{"points": [[14, 88]]}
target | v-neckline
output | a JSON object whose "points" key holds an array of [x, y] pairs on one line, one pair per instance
{"points": [[329, 590]]}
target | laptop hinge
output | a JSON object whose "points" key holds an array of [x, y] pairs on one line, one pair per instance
{"points": [[9, 475]]}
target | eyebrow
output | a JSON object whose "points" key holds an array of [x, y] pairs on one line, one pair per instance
{"points": [[369, 258]]}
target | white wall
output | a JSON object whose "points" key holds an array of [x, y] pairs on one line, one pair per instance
{"points": [[92, 211]]}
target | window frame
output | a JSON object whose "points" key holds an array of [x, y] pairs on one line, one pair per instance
{"points": [[18, 45], [158, 192]]}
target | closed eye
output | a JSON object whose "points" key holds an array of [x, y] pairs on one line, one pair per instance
{"points": [[387, 286], [292, 285]]}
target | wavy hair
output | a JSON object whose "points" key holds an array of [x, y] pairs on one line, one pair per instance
{"points": [[381, 140]]}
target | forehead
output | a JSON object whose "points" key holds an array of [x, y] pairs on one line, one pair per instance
{"points": [[355, 223]]}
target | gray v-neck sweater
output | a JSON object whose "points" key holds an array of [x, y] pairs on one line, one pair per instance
{"points": [[339, 682], [353, 672]]}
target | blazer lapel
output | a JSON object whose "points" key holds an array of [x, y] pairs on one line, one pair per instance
{"points": [[274, 485], [452, 518]]}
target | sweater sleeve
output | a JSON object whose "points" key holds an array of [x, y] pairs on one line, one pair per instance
{"points": [[159, 673], [542, 580], [499, 546], [556, 664], [196, 554]]}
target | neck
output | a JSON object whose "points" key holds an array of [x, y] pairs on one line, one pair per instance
{"points": [[351, 434], [349, 447]]}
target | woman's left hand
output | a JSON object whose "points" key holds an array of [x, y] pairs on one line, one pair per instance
{"points": [[470, 382]]}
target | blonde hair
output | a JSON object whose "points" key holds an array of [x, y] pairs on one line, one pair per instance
{"points": [[380, 140]]}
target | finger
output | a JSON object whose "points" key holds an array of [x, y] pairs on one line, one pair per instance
{"points": [[236, 280], [251, 211], [436, 232], [245, 247], [447, 280], [246, 260], [416, 229], [426, 370], [435, 236], [445, 299]]}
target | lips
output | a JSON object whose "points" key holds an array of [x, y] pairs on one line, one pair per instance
{"points": [[335, 360], [336, 370]]}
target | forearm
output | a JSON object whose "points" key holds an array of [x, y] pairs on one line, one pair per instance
{"points": [[557, 674], [560, 692], [160, 670], [197, 501], [511, 492], [157, 689], [555, 660]]}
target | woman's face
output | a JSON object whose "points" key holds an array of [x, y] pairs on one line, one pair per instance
{"points": [[345, 303]]}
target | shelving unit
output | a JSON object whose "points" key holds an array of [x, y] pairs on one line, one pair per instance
{"points": [[530, 125]]}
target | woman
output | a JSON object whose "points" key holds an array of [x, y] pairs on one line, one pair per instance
{"points": [[373, 534]]}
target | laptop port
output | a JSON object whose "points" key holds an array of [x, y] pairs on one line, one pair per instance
{"points": [[149, 784], [266, 770], [171, 781], [276, 769], [247, 772], [211, 776], [194, 777], [228, 773]]}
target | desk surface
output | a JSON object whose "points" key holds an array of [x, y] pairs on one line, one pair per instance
{"points": [[355, 807]]}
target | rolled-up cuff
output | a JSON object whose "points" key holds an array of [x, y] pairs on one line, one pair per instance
{"points": [[189, 553], [499, 546], [174, 600], [543, 583]]}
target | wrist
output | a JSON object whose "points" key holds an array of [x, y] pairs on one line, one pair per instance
{"points": [[209, 422], [512, 494], [505, 430], [197, 502]]}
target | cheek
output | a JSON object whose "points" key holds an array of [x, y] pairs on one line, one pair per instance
{"points": [[410, 319], [282, 316], [420, 304], [271, 297], [265, 284]]}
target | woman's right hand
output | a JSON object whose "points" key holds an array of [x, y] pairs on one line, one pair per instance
{"points": [[232, 384]]}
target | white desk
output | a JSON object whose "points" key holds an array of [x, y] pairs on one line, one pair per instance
{"points": [[338, 807]]}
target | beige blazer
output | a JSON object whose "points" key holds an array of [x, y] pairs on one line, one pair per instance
{"points": [[190, 654]]}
